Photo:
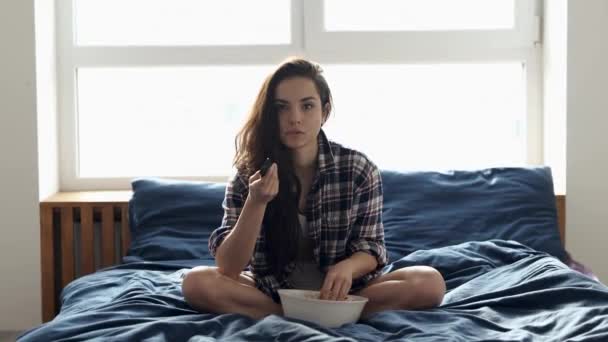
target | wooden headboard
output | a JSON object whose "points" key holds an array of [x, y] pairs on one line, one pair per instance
{"points": [[81, 232]]}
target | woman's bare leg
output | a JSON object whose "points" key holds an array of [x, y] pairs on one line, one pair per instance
{"points": [[207, 289], [409, 288]]}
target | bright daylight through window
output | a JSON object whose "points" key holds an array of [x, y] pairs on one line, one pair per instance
{"points": [[162, 90]]}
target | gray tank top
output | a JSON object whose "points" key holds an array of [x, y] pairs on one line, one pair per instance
{"points": [[306, 275]]}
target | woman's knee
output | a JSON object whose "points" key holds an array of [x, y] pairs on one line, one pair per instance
{"points": [[425, 283], [430, 285], [200, 285]]}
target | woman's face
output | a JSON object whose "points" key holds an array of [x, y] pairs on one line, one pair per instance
{"points": [[300, 112]]}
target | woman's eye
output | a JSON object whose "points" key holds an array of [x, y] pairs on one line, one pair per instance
{"points": [[308, 106]]}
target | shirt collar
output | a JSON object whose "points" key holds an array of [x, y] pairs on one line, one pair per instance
{"points": [[326, 158]]}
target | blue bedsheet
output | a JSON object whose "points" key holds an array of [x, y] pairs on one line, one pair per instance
{"points": [[497, 290]]}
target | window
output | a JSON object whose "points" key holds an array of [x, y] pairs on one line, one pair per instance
{"points": [[181, 22], [160, 87], [418, 15], [430, 116], [171, 119]]}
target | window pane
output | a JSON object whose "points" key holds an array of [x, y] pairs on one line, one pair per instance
{"points": [[182, 121], [418, 15], [162, 121], [182, 22], [449, 116]]}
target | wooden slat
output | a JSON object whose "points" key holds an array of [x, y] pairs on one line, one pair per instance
{"points": [[47, 261], [125, 237], [67, 245], [107, 236], [561, 216], [87, 242]]}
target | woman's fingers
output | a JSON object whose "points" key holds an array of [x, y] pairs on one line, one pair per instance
{"points": [[270, 179], [264, 188], [276, 179], [270, 176], [274, 188], [255, 177], [275, 171], [344, 290], [334, 288], [331, 290], [326, 288], [334, 293]]}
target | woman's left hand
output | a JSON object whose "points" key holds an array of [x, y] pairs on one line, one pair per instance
{"points": [[338, 281]]}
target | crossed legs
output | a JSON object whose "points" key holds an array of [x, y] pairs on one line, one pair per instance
{"points": [[411, 288], [207, 289]]}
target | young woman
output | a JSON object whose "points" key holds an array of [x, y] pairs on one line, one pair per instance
{"points": [[312, 221]]}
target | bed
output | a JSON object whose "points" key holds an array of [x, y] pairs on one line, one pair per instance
{"points": [[492, 233]]}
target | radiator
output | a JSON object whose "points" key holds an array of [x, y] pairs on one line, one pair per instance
{"points": [[78, 239]]}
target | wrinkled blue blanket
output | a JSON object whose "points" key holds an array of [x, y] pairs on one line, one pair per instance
{"points": [[497, 290]]}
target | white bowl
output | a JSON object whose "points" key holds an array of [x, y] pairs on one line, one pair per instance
{"points": [[306, 305]]}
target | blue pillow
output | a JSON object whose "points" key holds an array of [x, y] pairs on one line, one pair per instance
{"points": [[172, 220], [424, 210]]}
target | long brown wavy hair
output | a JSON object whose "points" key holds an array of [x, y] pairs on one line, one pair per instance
{"points": [[260, 138]]}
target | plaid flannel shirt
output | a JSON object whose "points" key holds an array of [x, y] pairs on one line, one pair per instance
{"points": [[343, 210]]}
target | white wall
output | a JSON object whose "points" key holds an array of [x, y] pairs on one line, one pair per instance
{"points": [[554, 89], [587, 151], [46, 98], [19, 224]]}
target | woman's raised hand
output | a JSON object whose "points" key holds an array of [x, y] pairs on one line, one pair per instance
{"points": [[262, 189]]}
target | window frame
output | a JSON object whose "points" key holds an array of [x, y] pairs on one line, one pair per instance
{"points": [[307, 40], [413, 46]]}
